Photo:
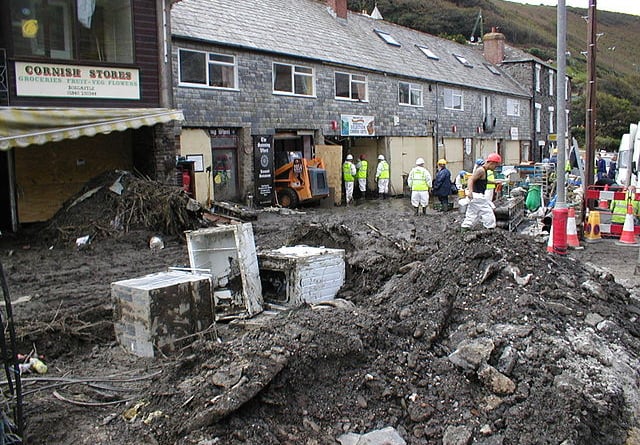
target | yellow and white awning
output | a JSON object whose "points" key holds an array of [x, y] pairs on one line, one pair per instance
{"points": [[24, 126]]}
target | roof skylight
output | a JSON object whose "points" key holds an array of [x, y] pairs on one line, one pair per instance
{"points": [[463, 60], [493, 69], [427, 52], [387, 38]]}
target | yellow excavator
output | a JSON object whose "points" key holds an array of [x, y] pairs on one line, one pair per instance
{"points": [[300, 181]]}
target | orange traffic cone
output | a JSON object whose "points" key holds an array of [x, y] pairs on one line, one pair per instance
{"points": [[603, 203], [628, 236], [550, 242], [592, 227], [572, 230]]}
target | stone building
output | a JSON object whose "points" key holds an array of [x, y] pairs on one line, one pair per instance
{"points": [[303, 75], [539, 79]]}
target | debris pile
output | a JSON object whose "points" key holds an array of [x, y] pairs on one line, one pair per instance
{"points": [[436, 337], [117, 202]]}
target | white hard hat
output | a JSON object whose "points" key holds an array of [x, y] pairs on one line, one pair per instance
{"points": [[380, 157], [419, 161], [349, 157]]}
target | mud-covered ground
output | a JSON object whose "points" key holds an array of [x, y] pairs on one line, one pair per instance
{"points": [[446, 337]]}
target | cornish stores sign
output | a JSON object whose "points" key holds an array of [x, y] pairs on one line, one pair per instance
{"points": [[75, 81]]}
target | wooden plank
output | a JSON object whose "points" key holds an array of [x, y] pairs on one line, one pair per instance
{"points": [[332, 157], [50, 174]]}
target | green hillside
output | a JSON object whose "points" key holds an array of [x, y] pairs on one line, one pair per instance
{"points": [[533, 29]]}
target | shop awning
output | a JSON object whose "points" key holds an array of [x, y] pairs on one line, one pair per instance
{"points": [[23, 126]]}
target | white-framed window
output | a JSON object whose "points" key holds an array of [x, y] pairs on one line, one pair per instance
{"points": [[427, 52], [351, 86], [453, 99], [513, 107], [551, 82], [209, 70], [552, 119], [487, 107], [538, 71], [293, 79], [410, 94], [387, 37], [538, 117]]}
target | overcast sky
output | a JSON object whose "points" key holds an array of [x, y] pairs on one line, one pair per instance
{"points": [[626, 6]]}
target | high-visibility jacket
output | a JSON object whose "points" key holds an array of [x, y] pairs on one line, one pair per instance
{"points": [[419, 179], [348, 171], [618, 209], [383, 170], [362, 169], [491, 177]]}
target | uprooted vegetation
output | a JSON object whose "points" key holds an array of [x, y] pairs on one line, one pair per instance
{"points": [[117, 202], [448, 338]]}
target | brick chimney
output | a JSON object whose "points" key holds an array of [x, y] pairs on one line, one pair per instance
{"points": [[339, 7], [494, 46]]}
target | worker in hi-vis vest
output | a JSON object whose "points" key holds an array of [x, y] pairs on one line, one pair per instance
{"points": [[491, 185], [361, 168], [348, 175], [618, 207], [420, 182], [382, 177]]}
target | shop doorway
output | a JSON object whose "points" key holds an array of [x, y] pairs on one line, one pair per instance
{"points": [[224, 168]]}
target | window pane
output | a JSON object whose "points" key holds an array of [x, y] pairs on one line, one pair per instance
{"points": [[221, 76], [221, 58], [457, 102], [342, 85], [359, 91], [192, 67], [282, 78], [403, 92], [304, 85], [106, 33], [416, 97]]}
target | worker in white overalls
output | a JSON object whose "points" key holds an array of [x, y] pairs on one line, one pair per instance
{"points": [[479, 207]]}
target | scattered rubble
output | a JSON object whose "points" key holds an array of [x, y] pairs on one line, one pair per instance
{"points": [[448, 338]]}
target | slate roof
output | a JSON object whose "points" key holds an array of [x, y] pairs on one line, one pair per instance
{"points": [[516, 55], [307, 29]]}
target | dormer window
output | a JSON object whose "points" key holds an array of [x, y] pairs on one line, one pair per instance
{"points": [[463, 60], [427, 52], [387, 38]]}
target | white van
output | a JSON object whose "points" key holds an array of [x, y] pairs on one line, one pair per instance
{"points": [[628, 157]]}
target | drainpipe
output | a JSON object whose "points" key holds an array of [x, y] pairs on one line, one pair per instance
{"points": [[163, 13]]}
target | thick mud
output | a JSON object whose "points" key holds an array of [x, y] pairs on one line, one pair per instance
{"points": [[453, 338]]}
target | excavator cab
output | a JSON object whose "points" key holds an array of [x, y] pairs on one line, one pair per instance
{"points": [[300, 180]]}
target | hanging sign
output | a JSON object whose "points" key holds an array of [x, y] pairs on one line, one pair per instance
{"points": [[352, 125]]}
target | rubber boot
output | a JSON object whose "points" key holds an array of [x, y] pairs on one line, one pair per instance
{"points": [[424, 211], [417, 210]]}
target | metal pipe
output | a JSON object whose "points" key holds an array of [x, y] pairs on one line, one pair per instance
{"points": [[561, 115], [590, 129]]}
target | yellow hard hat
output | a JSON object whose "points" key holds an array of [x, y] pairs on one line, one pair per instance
{"points": [[442, 162]]}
